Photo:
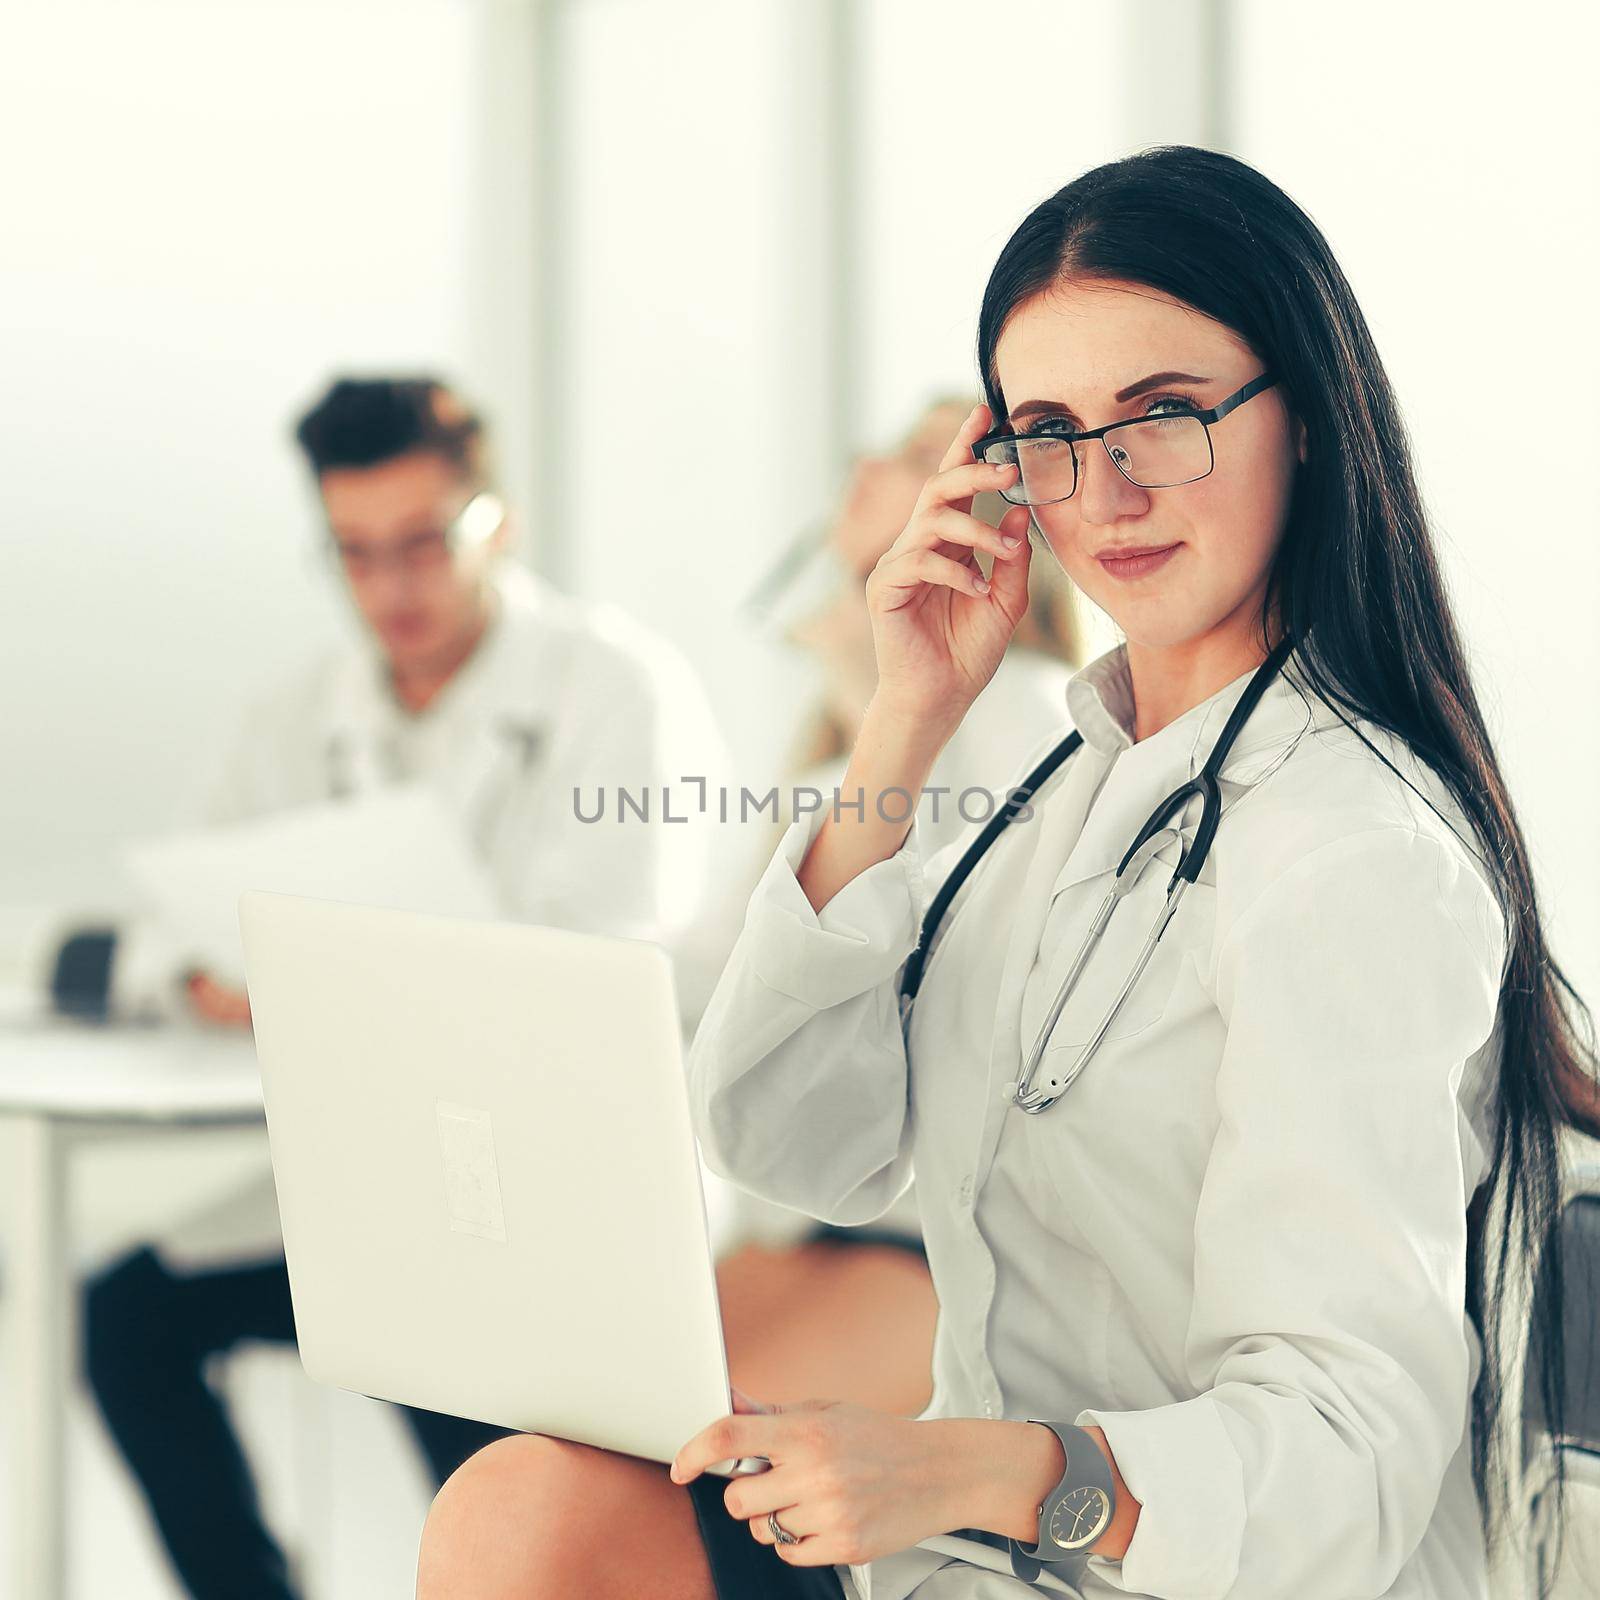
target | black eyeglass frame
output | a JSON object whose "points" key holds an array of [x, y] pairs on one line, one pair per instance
{"points": [[470, 525], [1216, 413]]}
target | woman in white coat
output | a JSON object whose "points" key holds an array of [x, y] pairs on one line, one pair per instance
{"points": [[1220, 1320]]}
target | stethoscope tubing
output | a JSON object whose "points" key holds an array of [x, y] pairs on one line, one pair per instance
{"points": [[1033, 1100], [1159, 829]]}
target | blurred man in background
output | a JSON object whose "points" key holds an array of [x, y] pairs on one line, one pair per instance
{"points": [[472, 678]]}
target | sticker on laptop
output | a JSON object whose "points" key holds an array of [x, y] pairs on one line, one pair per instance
{"points": [[471, 1174]]}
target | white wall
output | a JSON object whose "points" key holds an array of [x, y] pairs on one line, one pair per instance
{"points": [[964, 129], [209, 208], [707, 353], [1450, 158], [686, 415]]}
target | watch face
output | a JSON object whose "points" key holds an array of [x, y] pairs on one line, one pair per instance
{"points": [[1079, 1517]]}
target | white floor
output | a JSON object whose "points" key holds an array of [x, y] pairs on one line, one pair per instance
{"points": [[339, 1474]]}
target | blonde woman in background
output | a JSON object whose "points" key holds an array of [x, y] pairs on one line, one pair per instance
{"points": [[811, 1308], [1025, 696]]}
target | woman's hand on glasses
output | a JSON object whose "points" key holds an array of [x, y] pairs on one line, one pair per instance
{"points": [[939, 627]]}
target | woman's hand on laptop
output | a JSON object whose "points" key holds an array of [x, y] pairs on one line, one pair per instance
{"points": [[851, 1484]]}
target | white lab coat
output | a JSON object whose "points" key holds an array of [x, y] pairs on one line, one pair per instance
{"points": [[560, 695], [1238, 1243]]}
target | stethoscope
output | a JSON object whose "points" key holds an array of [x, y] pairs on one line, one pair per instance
{"points": [[352, 767], [1153, 837]]}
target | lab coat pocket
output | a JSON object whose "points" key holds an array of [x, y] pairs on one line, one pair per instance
{"points": [[1145, 1106], [1109, 967]]}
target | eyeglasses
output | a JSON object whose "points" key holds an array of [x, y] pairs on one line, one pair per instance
{"points": [[1159, 451], [427, 551]]}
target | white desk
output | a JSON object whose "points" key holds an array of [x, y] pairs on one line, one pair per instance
{"points": [[61, 1083]]}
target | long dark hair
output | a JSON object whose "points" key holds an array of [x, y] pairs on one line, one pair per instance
{"points": [[1356, 580]]}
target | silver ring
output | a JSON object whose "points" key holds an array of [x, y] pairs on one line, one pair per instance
{"points": [[779, 1532]]}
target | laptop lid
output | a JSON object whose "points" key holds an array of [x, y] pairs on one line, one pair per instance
{"points": [[486, 1171]]}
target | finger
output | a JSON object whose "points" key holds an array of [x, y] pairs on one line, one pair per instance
{"points": [[973, 429], [809, 1552], [948, 526], [957, 485], [893, 587], [726, 1439], [793, 1519], [1008, 580], [745, 1405], [768, 1491], [761, 1529]]}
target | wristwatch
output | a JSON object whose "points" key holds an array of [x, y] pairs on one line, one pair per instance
{"points": [[1075, 1513]]}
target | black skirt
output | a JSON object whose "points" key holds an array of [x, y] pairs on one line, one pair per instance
{"points": [[829, 1233], [741, 1567]]}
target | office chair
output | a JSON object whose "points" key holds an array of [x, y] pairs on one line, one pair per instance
{"points": [[1578, 1447]]}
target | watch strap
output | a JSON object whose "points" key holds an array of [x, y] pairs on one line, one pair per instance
{"points": [[1086, 1467]]}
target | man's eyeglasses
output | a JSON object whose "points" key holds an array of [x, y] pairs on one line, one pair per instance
{"points": [[426, 551], [1159, 451]]}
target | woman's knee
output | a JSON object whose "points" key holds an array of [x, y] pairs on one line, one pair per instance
{"points": [[529, 1517], [498, 1527], [532, 1518]]}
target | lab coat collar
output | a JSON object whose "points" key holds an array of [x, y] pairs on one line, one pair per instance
{"points": [[1100, 699], [1101, 702], [1139, 775], [499, 688]]}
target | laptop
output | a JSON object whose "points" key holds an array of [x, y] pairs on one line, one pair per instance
{"points": [[486, 1172]]}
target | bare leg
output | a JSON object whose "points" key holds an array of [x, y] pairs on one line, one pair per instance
{"points": [[531, 1518], [830, 1321]]}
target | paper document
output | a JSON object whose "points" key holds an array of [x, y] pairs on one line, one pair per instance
{"points": [[399, 848]]}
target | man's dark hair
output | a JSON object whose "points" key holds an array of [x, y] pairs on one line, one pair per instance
{"points": [[361, 422]]}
